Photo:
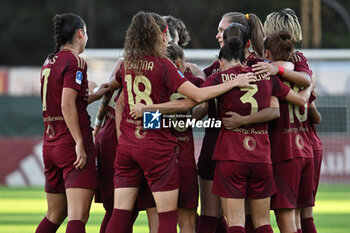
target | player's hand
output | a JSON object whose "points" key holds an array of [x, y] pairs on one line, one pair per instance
{"points": [[244, 80], [81, 156], [265, 68], [102, 90], [232, 122], [136, 111], [96, 130]]}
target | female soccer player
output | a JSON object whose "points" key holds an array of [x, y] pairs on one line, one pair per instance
{"points": [[297, 151], [148, 77], [210, 203], [68, 149], [244, 168]]}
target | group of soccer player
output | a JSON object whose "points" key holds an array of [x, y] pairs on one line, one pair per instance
{"points": [[266, 155]]}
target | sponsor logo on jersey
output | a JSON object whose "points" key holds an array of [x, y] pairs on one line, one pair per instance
{"points": [[151, 120], [79, 77]]}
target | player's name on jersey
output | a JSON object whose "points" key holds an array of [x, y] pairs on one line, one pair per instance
{"points": [[186, 123], [140, 65], [135, 122], [249, 131], [296, 130], [228, 77], [50, 118], [183, 139]]}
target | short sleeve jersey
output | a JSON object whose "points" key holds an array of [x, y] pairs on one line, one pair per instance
{"points": [[154, 82], [252, 59], [109, 128], [246, 143], [64, 70], [289, 133], [184, 135], [314, 139]]}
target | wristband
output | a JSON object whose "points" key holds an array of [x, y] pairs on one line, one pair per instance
{"points": [[281, 70], [98, 122]]}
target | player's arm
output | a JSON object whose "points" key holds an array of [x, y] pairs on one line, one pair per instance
{"points": [[118, 113], [102, 108], [299, 98], [196, 71], [205, 93], [314, 115], [267, 114], [283, 69], [102, 90], [200, 111], [195, 96], [70, 115]]}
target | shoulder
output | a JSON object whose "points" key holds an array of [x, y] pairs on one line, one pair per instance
{"points": [[298, 57], [73, 59]]}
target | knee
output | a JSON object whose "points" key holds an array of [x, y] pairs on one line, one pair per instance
{"points": [[57, 216]]}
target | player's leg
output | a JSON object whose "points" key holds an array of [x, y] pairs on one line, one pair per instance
{"points": [[234, 212], [55, 194], [78, 202], [152, 216], [187, 220], [285, 219], [166, 202], [260, 212], [56, 213], [123, 212]]}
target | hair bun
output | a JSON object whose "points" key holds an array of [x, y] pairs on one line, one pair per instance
{"points": [[234, 43], [284, 35]]}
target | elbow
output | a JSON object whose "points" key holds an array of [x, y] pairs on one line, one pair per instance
{"points": [[275, 113], [66, 108]]}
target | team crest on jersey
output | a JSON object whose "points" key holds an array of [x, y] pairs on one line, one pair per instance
{"points": [[79, 77], [181, 74]]}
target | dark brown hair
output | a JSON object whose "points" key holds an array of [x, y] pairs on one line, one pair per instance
{"points": [[143, 37], [280, 46], [174, 52], [65, 26]]}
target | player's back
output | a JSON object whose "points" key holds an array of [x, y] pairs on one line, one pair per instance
{"points": [[246, 143], [64, 70]]}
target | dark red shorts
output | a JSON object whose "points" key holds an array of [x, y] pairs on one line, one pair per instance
{"points": [[317, 170], [106, 149], [235, 179], [158, 165], [294, 182], [206, 165], [60, 173], [188, 191]]}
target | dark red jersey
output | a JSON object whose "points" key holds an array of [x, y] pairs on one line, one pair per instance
{"points": [[246, 143], [156, 80], [184, 135], [64, 70], [301, 64], [289, 133], [314, 139], [252, 59]]}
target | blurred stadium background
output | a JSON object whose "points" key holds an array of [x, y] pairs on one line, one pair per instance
{"points": [[26, 39]]}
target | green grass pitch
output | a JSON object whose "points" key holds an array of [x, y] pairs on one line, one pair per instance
{"points": [[21, 209]]}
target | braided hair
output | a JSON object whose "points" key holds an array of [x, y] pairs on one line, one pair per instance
{"points": [[65, 26]]}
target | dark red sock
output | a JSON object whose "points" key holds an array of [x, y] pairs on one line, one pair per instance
{"points": [[222, 226], [236, 229], [121, 221], [134, 215], [207, 224], [46, 226], [105, 221], [167, 222], [249, 227], [308, 225], [264, 229], [75, 226], [300, 230]]}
